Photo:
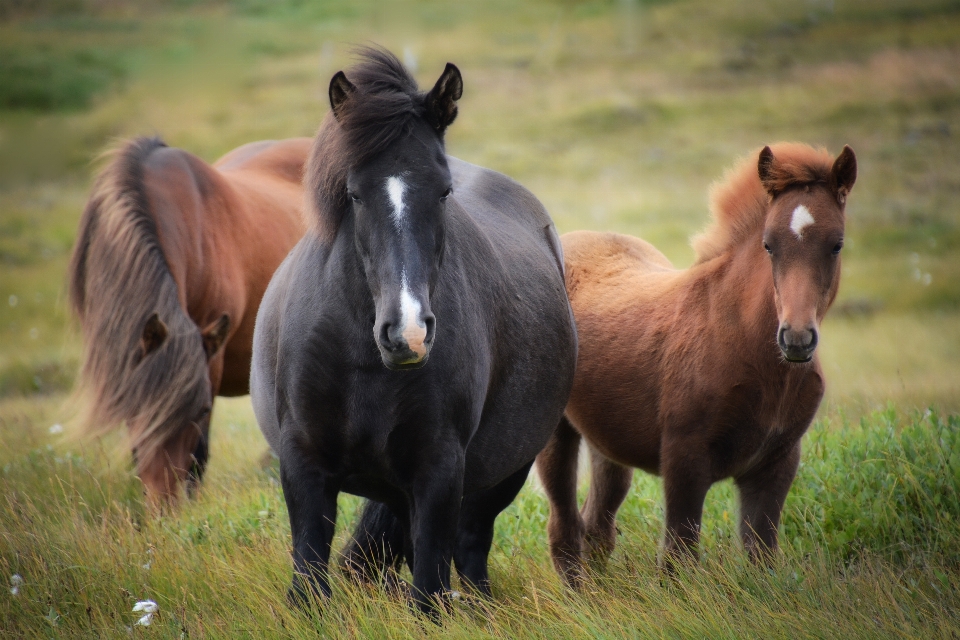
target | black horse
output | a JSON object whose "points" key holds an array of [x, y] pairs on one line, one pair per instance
{"points": [[417, 347]]}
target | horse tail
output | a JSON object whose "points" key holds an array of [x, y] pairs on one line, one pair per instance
{"points": [[118, 279], [378, 543]]}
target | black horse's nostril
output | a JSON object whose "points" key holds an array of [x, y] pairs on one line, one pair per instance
{"points": [[385, 340], [431, 323]]}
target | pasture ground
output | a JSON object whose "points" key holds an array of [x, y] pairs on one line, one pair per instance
{"points": [[618, 115]]}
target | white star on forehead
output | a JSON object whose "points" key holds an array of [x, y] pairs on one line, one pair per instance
{"points": [[800, 220], [395, 190]]}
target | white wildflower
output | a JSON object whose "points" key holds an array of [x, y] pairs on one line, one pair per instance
{"points": [[149, 609], [12, 300], [16, 581], [55, 429]]}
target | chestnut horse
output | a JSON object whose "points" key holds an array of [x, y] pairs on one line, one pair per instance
{"points": [[171, 260], [700, 374]]}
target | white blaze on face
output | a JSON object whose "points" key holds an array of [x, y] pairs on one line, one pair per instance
{"points": [[410, 308], [800, 220], [395, 190]]}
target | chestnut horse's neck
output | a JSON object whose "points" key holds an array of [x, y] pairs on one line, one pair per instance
{"points": [[739, 283]]}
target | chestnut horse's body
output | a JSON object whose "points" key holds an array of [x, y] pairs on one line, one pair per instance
{"points": [[172, 258], [706, 373]]}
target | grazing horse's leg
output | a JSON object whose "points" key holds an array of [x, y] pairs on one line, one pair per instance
{"points": [[609, 484], [378, 543], [312, 503], [685, 485], [475, 532], [557, 467], [762, 493], [433, 530]]}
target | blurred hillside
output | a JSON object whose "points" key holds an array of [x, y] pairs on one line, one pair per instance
{"points": [[617, 114]]}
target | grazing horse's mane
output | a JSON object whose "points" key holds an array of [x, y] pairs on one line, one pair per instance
{"points": [[739, 202], [118, 278], [382, 109]]}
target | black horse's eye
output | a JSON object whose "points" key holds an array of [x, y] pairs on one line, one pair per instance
{"points": [[836, 248], [767, 248], [446, 194], [354, 197]]}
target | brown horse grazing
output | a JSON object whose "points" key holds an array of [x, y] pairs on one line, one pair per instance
{"points": [[171, 261], [706, 373]]}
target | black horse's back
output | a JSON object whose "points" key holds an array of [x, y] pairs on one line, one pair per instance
{"points": [[417, 348]]}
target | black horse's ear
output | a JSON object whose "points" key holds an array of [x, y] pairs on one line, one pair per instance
{"points": [[844, 173], [215, 335], [154, 333], [765, 167], [442, 99], [340, 90]]}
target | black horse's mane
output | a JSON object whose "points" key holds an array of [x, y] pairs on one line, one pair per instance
{"points": [[384, 107]]}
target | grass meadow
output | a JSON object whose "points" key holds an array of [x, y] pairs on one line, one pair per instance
{"points": [[618, 114]]}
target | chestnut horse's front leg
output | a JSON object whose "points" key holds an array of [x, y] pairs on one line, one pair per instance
{"points": [[686, 481], [762, 494]]}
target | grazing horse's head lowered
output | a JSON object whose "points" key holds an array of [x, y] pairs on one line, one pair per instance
{"points": [[397, 192], [803, 236]]}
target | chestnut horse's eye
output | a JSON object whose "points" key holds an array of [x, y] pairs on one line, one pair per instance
{"points": [[836, 248], [767, 248]]}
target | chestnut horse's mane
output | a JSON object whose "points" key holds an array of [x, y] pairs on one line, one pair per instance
{"points": [[739, 202], [118, 277], [383, 108]]}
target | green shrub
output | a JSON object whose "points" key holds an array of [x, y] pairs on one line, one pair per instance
{"points": [[44, 79], [890, 486]]}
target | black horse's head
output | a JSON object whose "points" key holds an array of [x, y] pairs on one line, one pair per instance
{"points": [[396, 193]]}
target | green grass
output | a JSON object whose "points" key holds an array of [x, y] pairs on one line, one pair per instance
{"points": [[618, 115], [869, 534]]}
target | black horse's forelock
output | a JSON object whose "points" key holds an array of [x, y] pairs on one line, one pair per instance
{"points": [[384, 107]]}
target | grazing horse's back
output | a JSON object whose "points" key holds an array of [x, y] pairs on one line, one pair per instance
{"points": [[171, 260]]}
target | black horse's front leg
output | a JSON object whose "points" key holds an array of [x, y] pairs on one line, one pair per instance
{"points": [[312, 504], [475, 534], [434, 516]]}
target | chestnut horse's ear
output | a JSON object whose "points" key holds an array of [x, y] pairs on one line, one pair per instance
{"points": [[340, 90], [215, 334], [442, 99], [154, 333], [765, 167], [844, 173]]}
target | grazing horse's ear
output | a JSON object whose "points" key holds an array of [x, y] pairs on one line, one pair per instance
{"points": [[442, 99], [215, 334], [844, 173], [765, 167], [154, 333], [340, 90]]}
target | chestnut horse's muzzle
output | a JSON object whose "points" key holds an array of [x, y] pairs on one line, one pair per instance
{"points": [[797, 345]]}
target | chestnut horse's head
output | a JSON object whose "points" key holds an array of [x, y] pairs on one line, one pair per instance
{"points": [[170, 436], [803, 235]]}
